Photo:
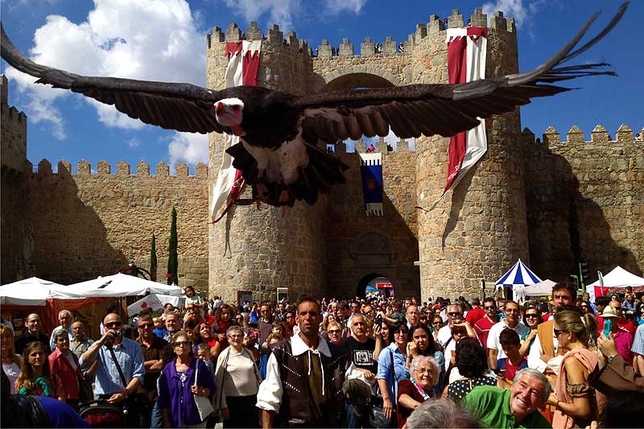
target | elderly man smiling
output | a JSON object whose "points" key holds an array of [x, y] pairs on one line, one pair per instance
{"points": [[514, 408]]}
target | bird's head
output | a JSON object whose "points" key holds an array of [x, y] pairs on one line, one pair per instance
{"points": [[229, 112]]}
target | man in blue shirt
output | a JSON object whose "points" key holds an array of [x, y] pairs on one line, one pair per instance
{"points": [[108, 384]]}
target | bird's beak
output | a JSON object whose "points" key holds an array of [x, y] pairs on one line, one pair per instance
{"points": [[220, 108]]}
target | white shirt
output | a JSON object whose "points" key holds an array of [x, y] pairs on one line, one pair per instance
{"points": [[493, 338], [269, 396], [535, 352], [444, 334]]}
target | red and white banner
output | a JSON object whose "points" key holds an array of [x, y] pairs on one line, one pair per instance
{"points": [[243, 68], [466, 56]]}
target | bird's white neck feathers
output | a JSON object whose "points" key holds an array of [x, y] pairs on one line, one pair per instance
{"points": [[229, 113]]}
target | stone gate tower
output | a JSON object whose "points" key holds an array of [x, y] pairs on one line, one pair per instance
{"points": [[473, 234]]}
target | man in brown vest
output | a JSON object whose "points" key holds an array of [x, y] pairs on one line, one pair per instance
{"points": [[304, 377]]}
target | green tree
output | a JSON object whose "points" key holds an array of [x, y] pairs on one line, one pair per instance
{"points": [[153, 259], [173, 262]]}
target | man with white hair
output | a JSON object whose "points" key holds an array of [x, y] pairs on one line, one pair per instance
{"points": [[65, 319]]}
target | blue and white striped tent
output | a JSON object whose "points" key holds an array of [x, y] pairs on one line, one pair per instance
{"points": [[518, 276]]}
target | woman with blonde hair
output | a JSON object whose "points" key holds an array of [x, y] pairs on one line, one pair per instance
{"points": [[334, 332], [577, 404], [11, 361]]}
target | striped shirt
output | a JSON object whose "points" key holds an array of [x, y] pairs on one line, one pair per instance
{"points": [[638, 341]]}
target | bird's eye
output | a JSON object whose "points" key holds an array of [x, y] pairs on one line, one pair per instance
{"points": [[234, 108]]}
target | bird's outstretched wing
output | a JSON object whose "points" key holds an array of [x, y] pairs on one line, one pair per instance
{"points": [[443, 109], [174, 106]]}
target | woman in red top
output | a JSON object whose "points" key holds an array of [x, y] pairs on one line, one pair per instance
{"points": [[202, 333], [64, 364]]}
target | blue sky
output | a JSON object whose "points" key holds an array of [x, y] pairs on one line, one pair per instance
{"points": [[165, 40]]}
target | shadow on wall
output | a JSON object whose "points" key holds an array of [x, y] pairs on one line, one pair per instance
{"points": [[69, 238], [552, 191]]}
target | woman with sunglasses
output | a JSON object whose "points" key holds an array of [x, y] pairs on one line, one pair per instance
{"points": [[577, 404], [177, 386], [334, 333], [532, 319], [391, 366], [437, 324], [237, 380]]}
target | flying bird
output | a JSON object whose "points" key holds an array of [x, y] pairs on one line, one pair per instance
{"points": [[282, 150]]}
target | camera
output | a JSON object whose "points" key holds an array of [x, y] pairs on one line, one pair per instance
{"points": [[378, 320]]}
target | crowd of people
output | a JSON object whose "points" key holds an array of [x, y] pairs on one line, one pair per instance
{"points": [[563, 362]]}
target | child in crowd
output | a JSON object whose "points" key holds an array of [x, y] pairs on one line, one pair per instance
{"points": [[514, 362]]}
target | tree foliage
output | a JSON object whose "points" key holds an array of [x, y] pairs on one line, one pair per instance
{"points": [[153, 259], [173, 262]]}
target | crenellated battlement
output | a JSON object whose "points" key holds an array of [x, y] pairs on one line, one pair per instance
{"points": [[123, 170], [599, 135], [368, 47], [14, 132]]}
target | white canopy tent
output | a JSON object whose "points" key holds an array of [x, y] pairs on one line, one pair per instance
{"points": [[618, 278], [543, 288], [28, 292], [116, 286]]}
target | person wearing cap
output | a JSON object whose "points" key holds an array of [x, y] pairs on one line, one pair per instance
{"points": [[622, 336]]}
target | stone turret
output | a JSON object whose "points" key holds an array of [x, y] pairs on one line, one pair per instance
{"points": [[479, 228]]}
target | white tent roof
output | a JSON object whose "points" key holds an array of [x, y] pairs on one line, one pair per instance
{"points": [[543, 288], [117, 285], [618, 278], [518, 275], [31, 291]]}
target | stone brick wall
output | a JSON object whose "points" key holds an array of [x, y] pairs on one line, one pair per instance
{"points": [[602, 179], [90, 224]]}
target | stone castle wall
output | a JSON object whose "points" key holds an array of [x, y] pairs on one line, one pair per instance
{"points": [[602, 180], [516, 203]]}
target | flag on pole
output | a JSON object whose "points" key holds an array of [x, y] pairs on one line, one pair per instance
{"points": [[243, 68], [466, 57], [371, 173]]}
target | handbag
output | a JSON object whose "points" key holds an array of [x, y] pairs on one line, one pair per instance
{"points": [[204, 406], [377, 418]]}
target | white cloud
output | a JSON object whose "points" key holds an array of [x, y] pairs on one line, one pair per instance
{"points": [[513, 9], [338, 6], [113, 42], [283, 12], [134, 143], [189, 147]]}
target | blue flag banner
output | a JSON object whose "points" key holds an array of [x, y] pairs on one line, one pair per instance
{"points": [[371, 173]]}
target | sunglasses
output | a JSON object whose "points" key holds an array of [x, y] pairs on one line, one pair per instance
{"points": [[401, 332], [182, 343], [334, 331], [489, 307], [536, 316], [559, 332], [454, 314], [110, 324], [146, 325], [437, 323]]}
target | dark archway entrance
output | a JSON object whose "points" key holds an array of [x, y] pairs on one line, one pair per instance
{"points": [[374, 284]]}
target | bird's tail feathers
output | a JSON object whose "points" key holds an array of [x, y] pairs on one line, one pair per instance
{"points": [[548, 71]]}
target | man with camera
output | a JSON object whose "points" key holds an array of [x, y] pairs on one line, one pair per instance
{"points": [[120, 368]]}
